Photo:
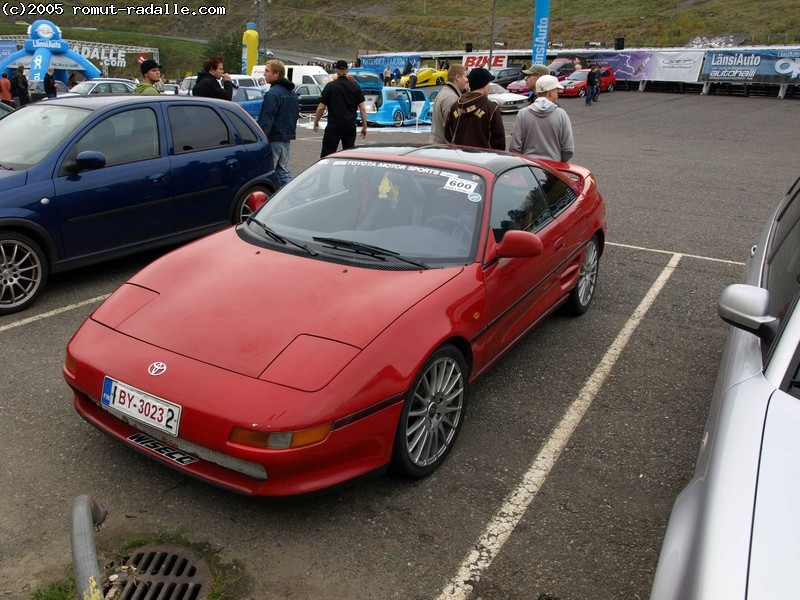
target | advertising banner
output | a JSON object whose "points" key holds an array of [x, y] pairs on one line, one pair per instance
{"points": [[644, 65], [482, 60], [7, 48], [541, 28], [378, 63], [752, 66]]}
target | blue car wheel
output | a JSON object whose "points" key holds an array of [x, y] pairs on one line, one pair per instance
{"points": [[397, 117]]}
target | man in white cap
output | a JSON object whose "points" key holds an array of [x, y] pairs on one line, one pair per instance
{"points": [[543, 129]]}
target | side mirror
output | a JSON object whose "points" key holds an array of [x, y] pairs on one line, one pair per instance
{"points": [[747, 307], [519, 244], [86, 160], [256, 200]]}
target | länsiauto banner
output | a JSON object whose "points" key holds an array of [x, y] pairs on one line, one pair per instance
{"points": [[646, 65], [752, 66]]}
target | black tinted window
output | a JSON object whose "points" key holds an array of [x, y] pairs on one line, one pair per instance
{"points": [[245, 132], [517, 203], [197, 128], [558, 194], [125, 137]]}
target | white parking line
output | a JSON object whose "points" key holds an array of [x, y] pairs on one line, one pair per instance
{"points": [[52, 313], [508, 517], [697, 256]]}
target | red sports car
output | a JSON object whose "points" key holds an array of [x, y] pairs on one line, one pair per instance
{"points": [[575, 84], [335, 333]]}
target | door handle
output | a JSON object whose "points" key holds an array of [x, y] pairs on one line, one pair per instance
{"points": [[232, 164], [560, 244], [157, 178]]}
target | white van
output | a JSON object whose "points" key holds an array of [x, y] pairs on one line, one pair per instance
{"points": [[298, 74]]}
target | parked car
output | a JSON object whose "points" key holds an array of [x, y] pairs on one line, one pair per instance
{"points": [[508, 102], [369, 81], [308, 95], [171, 89], [397, 106], [519, 87], [90, 87], [384, 280], [188, 83], [506, 75], [36, 89], [250, 99], [94, 178], [734, 531], [424, 77], [561, 68], [575, 84]]}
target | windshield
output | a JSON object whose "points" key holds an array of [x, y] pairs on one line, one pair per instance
{"points": [[321, 78], [37, 129], [579, 76], [421, 213]]}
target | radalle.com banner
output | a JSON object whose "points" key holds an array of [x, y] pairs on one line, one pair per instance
{"points": [[745, 66]]}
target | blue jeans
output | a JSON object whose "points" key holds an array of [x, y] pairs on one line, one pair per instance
{"points": [[281, 153], [589, 93]]}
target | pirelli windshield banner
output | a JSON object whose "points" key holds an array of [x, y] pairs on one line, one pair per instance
{"points": [[756, 66]]}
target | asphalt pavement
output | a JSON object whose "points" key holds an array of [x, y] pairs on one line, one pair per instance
{"points": [[574, 446]]}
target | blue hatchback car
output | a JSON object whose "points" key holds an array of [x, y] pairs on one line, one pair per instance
{"points": [[87, 179], [250, 99]]}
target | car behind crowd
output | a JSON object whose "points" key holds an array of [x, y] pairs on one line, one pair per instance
{"points": [[101, 85], [426, 76], [575, 84], [36, 89], [95, 178], [250, 99], [387, 280], [506, 75], [734, 532]]}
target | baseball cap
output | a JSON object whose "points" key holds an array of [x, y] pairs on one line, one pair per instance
{"points": [[545, 83], [536, 70], [148, 65], [341, 65], [479, 77]]}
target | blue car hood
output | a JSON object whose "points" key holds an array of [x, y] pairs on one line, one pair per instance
{"points": [[12, 179]]}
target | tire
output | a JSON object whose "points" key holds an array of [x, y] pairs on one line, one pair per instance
{"points": [[440, 81], [432, 414], [240, 210], [397, 119], [581, 295], [581, 92], [610, 87], [23, 272]]}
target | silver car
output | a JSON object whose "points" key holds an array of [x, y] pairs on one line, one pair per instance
{"points": [[735, 529]]}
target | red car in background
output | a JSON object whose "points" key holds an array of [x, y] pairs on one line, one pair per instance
{"points": [[382, 282], [575, 84], [519, 87]]}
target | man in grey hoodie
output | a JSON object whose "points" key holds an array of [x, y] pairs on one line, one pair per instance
{"points": [[543, 129]]}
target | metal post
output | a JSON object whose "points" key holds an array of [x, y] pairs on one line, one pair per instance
{"points": [[86, 514], [491, 37]]}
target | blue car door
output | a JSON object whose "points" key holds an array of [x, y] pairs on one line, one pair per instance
{"points": [[127, 201], [208, 166]]}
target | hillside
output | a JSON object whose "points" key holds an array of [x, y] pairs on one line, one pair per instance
{"points": [[342, 28]]}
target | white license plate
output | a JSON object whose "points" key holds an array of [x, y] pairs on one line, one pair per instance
{"points": [[141, 406]]}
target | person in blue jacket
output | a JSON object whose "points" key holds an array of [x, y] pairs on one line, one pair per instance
{"points": [[278, 116]]}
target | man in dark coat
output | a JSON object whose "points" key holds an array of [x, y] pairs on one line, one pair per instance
{"points": [[474, 119], [208, 80], [19, 86], [278, 116]]}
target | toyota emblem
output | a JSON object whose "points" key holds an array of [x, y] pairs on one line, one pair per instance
{"points": [[156, 369]]}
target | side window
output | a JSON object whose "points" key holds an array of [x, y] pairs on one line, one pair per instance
{"points": [[517, 203], [197, 128], [101, 88], [119, 88], [783, 271], [308, 79], [246, 134], [125, 137], [558, 194], [302, 90]]}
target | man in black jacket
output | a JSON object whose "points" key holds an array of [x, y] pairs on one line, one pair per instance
{"points": [[208, 80], [19, 86]]}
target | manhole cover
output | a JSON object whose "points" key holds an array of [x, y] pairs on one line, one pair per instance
{"points": [[160, 572]]}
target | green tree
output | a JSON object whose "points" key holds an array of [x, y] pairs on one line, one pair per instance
{"points": [[228, 45]]}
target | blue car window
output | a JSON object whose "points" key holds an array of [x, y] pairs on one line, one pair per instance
{"points": [[197, 128], [125, 137]]}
